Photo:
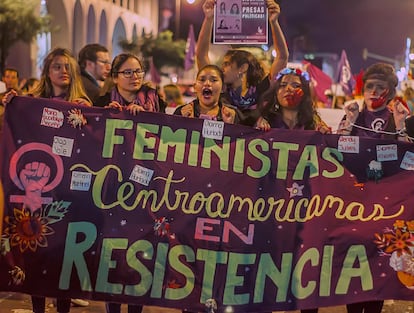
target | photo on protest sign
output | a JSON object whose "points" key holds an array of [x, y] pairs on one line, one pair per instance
{"points": [[240, 21]]}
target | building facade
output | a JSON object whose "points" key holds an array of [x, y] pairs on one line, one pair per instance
{"points": [[79, 22]]}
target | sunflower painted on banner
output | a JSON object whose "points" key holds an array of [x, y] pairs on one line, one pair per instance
{"points": [[29, 230]]}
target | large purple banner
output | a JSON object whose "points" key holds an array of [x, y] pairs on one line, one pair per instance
{"points": [[184, 213]]}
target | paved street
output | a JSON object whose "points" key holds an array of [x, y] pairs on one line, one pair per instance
{"points": [[20, 303]]}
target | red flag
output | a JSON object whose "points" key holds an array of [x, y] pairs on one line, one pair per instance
{"points": [[190, 49], [358, 83], [320, 81]]}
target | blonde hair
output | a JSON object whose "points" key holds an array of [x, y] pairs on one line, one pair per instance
{"points": [[75, 89], [173, 94]]}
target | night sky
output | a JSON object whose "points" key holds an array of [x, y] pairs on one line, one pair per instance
{"points": [[328, 26], [381, 26]]}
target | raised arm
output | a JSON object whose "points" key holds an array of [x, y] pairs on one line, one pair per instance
{"points": [[279, 41], [203, 40]]}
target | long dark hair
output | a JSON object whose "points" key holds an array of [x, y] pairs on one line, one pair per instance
{"points": [[269, 104], [255, 72]]}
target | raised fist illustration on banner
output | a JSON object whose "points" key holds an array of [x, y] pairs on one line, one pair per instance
{"points": [[34, 178]]}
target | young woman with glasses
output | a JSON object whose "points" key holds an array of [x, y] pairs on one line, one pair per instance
{"points": [[129, 92]]}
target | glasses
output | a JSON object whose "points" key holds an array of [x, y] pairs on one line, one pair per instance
{"points": [[294, 71], [129, 72], [57, 67], [105, 62]]}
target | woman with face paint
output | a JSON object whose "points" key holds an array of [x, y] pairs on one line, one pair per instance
{"points": [[208, 105], [288, 104], [376, 119]]}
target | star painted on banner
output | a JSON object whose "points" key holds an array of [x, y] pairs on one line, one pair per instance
{"points": [[295, 190]]}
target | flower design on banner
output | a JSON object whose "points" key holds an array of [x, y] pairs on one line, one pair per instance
{"points": [[398, 244], [295, 190], [162, 227], [17, 276], [76, 118], [211, 305], [173, 284], [374, 170], [29, 230]]}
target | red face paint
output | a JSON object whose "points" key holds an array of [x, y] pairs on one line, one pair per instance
{"points": [[295, 98], [380, 101]]}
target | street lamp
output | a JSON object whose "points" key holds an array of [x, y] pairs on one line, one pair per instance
{"points": [[366, 55]]}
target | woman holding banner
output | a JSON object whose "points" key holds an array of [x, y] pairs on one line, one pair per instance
{"points": [[129, 91], [208, 105], [377, 119], [374, 121], [244, 76], [60, 79], [288, 104]]}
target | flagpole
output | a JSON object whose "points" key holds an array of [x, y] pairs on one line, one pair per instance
{"points": [[407, 57], [334, 96], [190, 49]]}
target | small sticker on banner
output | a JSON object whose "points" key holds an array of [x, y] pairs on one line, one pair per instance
{"points": [[348, 144], [52, 118], [213, 129], [387, 153], [80, 181], [62, 146], [407, 162], [141, 175]]}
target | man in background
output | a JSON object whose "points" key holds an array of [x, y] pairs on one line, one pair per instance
{"points": [[95, 65], [11, 79]]}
